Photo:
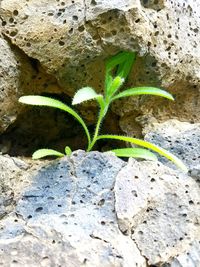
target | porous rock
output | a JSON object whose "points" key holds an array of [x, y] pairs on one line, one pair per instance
{"points": [[10, 183], [93, 209], [192, 257], [159, 209], [180, 138], [19, 77], [66, 217], [11, 80], [49, 30], [71, 40]]}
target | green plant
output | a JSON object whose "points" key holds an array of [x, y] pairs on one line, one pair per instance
{"points": [[117, 70]]}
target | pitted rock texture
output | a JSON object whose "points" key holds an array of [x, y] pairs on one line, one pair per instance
{"points": [[192, 258], [55, 26], [159, 210], [19, 75], [11, 182], [180, 138], [71, 39], [11, 82], [93, 209], [66, 217]]}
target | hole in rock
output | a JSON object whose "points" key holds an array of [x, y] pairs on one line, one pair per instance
{"points": [[75, 18], [93, 3], [39, 209], [153, 4]]}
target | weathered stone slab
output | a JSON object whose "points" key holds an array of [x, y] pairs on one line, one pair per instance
{"points": [[160, 209], [66, 217], [72, 39], [93, 209], [11, 183], [19, 75], [181, 138]]}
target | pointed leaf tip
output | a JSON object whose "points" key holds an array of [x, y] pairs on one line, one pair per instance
{"points": [[150, 146], [45, 152], [85, 94], [135, 153], [50, 102], [136, 91], [68, 151]]}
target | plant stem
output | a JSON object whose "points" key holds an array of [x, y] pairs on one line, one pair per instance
{"points": [[102, 114]]}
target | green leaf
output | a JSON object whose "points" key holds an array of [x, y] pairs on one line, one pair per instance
{"points": [[148, 145], [115, 85], [135, 153], [68, 151], [115, 60], [124, 68], [122, 64], [44, 152], [85, 94], [108, 82], [144, 91], [50, 102]]}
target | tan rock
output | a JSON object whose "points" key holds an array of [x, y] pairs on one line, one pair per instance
{"points": [[19, 75], [71, 40]]}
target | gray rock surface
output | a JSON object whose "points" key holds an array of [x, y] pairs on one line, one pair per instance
{"points": [[181, 138], [93, 209], [10, 183], [192, 257], [66, 217], [71, 39], [159, 208]]}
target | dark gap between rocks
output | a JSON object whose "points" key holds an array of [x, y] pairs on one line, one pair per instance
{"points": [[44, 127]]}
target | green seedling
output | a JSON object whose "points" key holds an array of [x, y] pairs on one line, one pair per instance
{"points": [[117, 71]]}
